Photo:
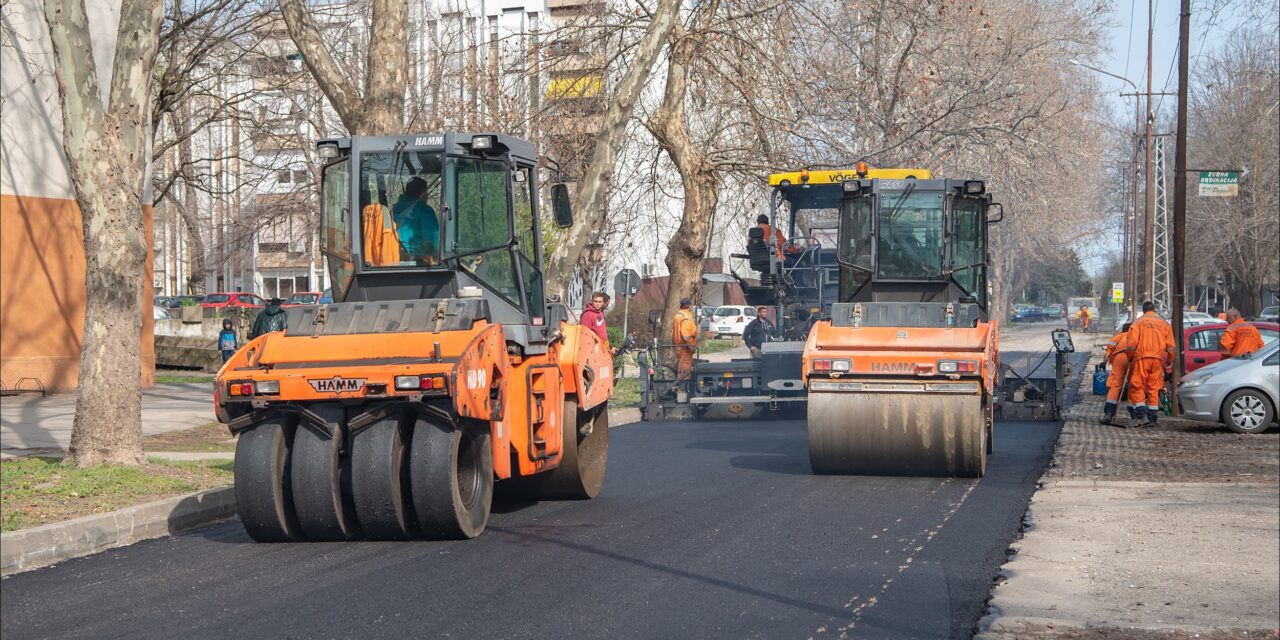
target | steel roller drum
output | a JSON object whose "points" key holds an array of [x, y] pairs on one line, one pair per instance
{"points": [[899, 434]]}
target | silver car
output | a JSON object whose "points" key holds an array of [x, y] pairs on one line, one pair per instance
{"points": [[1240, 392]]}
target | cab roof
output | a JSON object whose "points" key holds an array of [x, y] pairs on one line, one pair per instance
{"points": [[836, 176]]}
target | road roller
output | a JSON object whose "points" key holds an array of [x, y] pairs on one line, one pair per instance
{"points": [[438, 369], [901, 377]]}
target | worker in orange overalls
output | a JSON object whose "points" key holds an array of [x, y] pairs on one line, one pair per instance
{"points": [[1150, 346], [1119, 359], [684, 335], [1240, 337], [1083, 314], [762, 221]]}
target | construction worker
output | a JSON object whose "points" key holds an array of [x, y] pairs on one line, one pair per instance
{"points": [[1118, 357], [684, 335], [1150, 345], [762, 221], [1240, 337], [1083, 314]]}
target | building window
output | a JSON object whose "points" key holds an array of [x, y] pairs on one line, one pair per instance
{"points": [[284, 176]]}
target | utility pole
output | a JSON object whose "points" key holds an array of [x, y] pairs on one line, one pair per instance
{"points": [[1180, 198], [1149, 234]]}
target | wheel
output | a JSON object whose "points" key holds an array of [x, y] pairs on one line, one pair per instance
{"points": [[580, 474], [324, 512], [379, 480], [451, 479], [1247, 411], [262, 479]]}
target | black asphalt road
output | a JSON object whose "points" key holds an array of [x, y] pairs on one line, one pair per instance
{"points": [[704, 530]]}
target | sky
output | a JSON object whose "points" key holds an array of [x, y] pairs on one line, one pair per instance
{"points": [[1127, 57]]}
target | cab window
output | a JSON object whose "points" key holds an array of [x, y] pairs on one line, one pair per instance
{"points": [[482, 231], [335, 227]]}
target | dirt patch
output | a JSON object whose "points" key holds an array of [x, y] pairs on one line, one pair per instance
{"points": [[209, 437], [1052, 631], [38, 491]]}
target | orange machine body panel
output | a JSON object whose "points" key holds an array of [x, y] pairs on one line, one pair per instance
{"points": [[521, 398], [903, 351]]}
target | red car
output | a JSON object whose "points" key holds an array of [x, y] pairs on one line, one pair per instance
{"points": [[1201, 343], [231, 299]]}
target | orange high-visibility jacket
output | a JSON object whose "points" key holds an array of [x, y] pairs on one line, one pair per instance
{"points": [[777, 236], [381, 244], [1150, 337], [1240, 338], [1117, 346], [684, 330]]}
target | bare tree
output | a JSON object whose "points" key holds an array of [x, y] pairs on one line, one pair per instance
{"points": [[593, 187], [106, 150], [376, 108]]}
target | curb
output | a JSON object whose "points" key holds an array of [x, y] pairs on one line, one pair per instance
{"points": [[28, 549], [37, 547]]}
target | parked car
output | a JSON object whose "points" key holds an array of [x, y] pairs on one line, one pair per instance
{"points": [[231, 299], [326, 297], [731, 320], [1198, 318], [1270, 314], [303, 298], [1028, 314], [1200, 343], [1241, 393], [1056, 311], [159, 313]]}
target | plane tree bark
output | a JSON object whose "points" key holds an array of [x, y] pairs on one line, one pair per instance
{"points": [[106, 151], [376, 107]]}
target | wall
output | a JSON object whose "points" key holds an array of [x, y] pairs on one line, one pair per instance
{"points": [[41, 235]]}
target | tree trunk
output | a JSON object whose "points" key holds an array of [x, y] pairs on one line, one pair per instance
{"points": [[593, 187], [380, 110], [688, 246], [106, 157]]}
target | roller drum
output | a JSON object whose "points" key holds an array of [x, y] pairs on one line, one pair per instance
{"points": [[900, 434]]}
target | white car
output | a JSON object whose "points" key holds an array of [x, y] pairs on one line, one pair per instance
{"points": [[731, 320], [1241, 392], [1197, 318]]}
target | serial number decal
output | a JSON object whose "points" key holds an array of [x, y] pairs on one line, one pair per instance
{"points": [[337, 384]]}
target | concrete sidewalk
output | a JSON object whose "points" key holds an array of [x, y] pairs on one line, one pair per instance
{"points": [[43, 424], [1164, 532]]}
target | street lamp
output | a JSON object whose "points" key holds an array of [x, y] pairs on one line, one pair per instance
{"points": [[1131, 246]]}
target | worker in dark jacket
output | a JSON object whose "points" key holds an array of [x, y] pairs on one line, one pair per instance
{"points": [[272, 318], [758, 331]]}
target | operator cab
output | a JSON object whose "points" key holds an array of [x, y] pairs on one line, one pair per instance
{"points": [[914, 241], [423, 217]]}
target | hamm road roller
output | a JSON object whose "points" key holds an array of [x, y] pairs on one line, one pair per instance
{"points": [[439, 367], [902, 376]]}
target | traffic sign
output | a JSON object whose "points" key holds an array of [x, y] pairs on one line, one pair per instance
{"points": [[1117, 292], [626, 283], [1220, 184]]}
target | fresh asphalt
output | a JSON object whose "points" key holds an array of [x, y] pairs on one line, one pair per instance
{"points": [[703, 530]]}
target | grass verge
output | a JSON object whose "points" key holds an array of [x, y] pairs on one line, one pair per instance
{"points": [[716, 345], [40, 490], [209, 437], [626, 394]]}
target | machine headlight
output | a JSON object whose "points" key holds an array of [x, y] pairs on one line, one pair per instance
{"points": [[327, 150], [481, 143], [1197, 381]]}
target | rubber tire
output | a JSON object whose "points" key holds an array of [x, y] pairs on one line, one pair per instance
{"points": [[379, 480], [262, 482], [1268, 412], [443, 459], [319, 471], [581, 472]]}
